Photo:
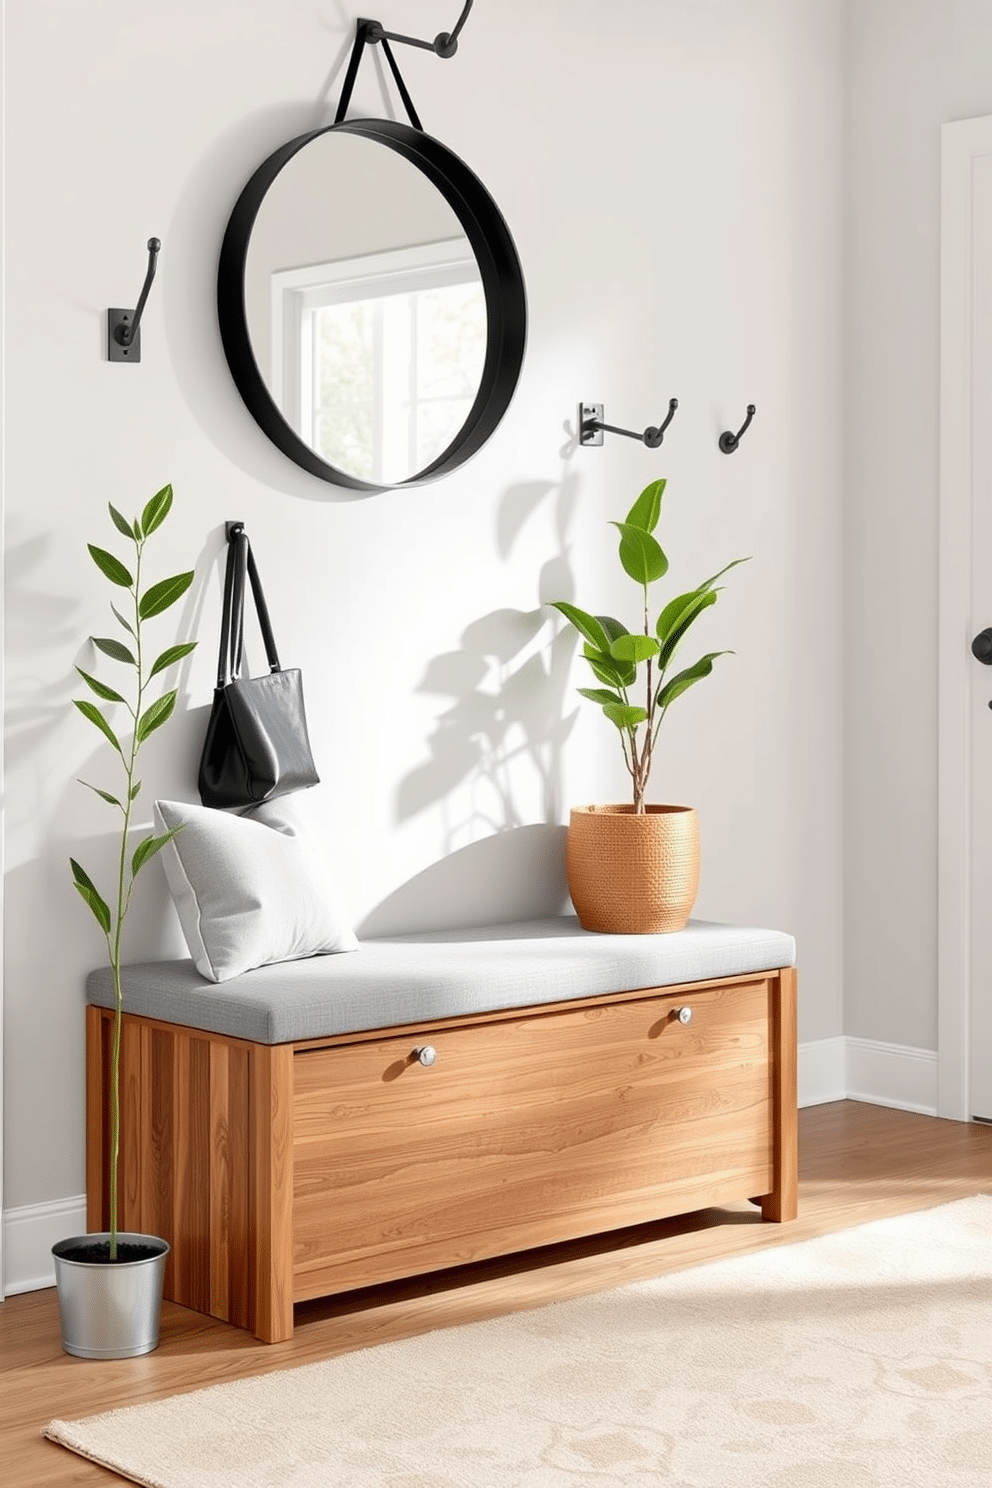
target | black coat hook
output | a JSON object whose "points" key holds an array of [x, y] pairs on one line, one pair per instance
{"points": [[591, 426], [373, 33], [124, 326], [445, 44], [730, 441]]}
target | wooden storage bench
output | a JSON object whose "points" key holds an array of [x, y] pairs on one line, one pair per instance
{"points": [[473, 1093]]}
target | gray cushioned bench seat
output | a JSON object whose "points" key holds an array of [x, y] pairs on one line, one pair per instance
{"points": [[430, 975]]}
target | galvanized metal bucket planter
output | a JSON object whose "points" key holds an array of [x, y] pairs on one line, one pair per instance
{"points": [[110, 1309]]}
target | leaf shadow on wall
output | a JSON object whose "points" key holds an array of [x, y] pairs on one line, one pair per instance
{"points": [[497, 743], [36, 623], [51, 749]]}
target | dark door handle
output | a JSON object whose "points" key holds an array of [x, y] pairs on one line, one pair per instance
{"points": [[981, 646]]}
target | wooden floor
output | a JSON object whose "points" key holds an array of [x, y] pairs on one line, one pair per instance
{"points": [[857, 1162]]}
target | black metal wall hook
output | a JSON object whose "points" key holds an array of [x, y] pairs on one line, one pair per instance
{"points": [[373, 33], [728, 440], [591, 426], [124, 326], [444, 45]]}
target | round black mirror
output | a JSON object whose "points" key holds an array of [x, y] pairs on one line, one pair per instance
{"points": [[371, 305]]}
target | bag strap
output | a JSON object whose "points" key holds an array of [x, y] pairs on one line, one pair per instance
{"points": [[232, 612], [241, 560], [264, 622]]}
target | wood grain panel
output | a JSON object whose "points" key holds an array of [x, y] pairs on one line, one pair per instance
{"points": [[97, 1198], [184, 1223], [270, 1146], [220, 1181], [129, 1169], [228, 1188], [159, 1134], [783, 1201], [238, 1219], [526, 1132], [197, 1174]]}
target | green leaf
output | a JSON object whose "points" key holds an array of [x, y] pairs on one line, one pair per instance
{"points": [[161, 595], [113, 648], [155, 716], [647, 508], [134, 792], [80, 875], [587, 625], [121, 523], [599, 695], [100, 688], [156, 511], [613, 673], [635, 648], [173, 654], [676, 617], [640, 555], [126, 623], [101, 911], [104, 795], [624, 715], [708, 583], [675, 688], [111, 566], [92, 712], [149, 847], [91, 895], [612, 627]]}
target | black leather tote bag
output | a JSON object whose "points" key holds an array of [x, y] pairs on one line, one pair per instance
{"points": [[257, 745]]}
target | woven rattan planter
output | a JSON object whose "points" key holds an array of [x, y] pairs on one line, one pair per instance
{"points": [[633, 875]]}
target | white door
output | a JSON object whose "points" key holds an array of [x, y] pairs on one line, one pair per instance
{"points": [[965, 688]]}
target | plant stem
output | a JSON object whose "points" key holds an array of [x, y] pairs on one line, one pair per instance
{"points": [[123, 895], [643, 760]]}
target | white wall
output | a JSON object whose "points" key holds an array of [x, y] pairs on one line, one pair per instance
{"points": [[912, 65], [672, 176]]}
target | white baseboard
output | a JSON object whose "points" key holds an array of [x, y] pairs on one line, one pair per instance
{"points": [[829, 1070], [864, 1070], [892, 1075], [28, 1236]]}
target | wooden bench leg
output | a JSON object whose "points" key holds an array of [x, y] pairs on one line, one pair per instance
{"points": [[783, 1201], [271, 1192]]}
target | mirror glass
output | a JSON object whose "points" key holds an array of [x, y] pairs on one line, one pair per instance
{"points": [[365, 308]]}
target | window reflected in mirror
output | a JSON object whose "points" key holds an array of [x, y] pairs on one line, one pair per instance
{"points": [[377, 360]]}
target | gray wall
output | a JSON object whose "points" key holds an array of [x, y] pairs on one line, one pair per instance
{"points": [[911, 66], [672, 173]]}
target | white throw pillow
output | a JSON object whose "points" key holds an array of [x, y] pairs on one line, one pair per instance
{"points": [[250, 889]]}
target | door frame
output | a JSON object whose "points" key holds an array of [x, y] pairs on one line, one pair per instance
{"points": [[962, 142]]}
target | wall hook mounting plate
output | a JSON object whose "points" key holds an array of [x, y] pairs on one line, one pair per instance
{"points": [[591, 414], [119, 350]]}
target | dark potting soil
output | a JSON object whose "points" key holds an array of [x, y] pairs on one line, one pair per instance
{"points": [[99, 1253]]}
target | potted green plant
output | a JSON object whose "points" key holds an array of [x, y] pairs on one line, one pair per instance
{"points": [[110, 1284], [634, 868]]}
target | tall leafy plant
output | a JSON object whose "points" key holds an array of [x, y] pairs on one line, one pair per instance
{"points": [[143, 716], [634, 668]]}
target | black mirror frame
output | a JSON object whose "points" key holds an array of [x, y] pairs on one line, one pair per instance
{"points": [[502, 282]]}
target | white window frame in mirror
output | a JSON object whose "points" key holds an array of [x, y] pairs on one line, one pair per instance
{"points": [[296, 294]]}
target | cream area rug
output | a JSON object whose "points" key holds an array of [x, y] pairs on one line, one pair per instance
{"points": [[858, 1360]]}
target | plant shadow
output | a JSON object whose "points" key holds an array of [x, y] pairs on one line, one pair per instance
{"points": [[502, 720]]}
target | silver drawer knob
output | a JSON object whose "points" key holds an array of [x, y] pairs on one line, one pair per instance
{"points": [[425, 1054], [685, 1015]]}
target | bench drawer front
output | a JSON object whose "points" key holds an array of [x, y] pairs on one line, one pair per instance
{"points": [[527, 1131]]}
